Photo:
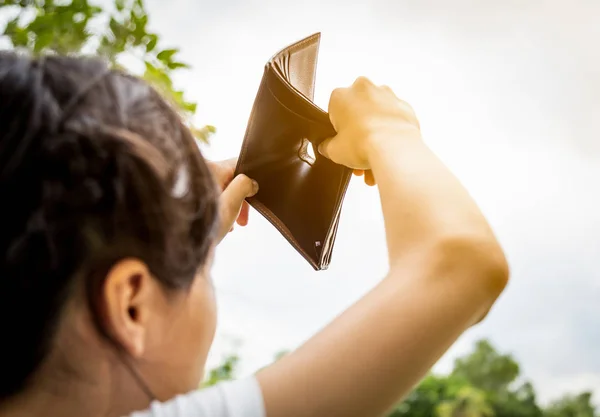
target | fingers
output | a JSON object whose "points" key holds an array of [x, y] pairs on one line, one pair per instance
{"points": [[229, 165], [337, 97], [362, 83], [238, 190], [370, 178], [232, 200], [223, 171], [242, 219], [328, 147]]}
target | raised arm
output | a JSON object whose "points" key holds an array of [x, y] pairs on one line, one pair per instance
{"points": [[446, 270]]}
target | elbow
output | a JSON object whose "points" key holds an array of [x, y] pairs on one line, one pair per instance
{"points": [[477, 263], [490, 261]]}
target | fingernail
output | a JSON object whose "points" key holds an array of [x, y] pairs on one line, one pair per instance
{"points": [[320, 149], [254, 186]]}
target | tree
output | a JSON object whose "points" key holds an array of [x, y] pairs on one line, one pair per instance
{"points": [[495, 374], [572, 406], [520, 402], [457, 395], [482, 384], [78, 27], [487, 369], [432, 391], [224, 372], [468, 402], [444, 396]]}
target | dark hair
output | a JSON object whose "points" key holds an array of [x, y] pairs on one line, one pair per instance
{"points": [[95, 167]]}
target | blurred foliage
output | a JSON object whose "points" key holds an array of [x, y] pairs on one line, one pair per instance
{"points": [[572, 406], [483, 383], [76, 27], [224, 372], [486, 383]]}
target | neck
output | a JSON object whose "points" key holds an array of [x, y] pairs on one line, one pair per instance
{"points": [[110, 391], [90, 380]]}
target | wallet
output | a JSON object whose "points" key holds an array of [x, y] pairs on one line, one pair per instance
{"points": [[301, 193]]}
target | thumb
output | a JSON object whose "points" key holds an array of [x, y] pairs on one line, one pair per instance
{"points": [[325, 147], [240, 187], [232, 199]]}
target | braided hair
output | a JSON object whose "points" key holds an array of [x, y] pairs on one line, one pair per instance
{"points": [[95, 167]]}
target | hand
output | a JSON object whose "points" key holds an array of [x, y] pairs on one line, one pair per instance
{"points": [[360, 114], [232, 203], [368, 174]]}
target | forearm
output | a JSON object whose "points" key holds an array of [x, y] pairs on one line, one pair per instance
{"points": [[421, 199], [446, 271], [376, 351]]}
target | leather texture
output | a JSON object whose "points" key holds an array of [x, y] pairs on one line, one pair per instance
{"points": [[300, 195]]}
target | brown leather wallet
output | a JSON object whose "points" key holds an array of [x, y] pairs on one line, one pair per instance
{"points": [[300, 194]]}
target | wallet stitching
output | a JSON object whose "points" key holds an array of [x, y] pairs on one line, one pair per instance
{"points": [[261, 207], [338, 208], [290, 110], [292, 49], [250, 124], [299, 45], [257, 204], [283, 229], [273, 218], [264, 82], [295, 90], [316, 66], [344, 181]]}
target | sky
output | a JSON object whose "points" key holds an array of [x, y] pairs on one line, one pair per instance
{"points": [[507, 94]]}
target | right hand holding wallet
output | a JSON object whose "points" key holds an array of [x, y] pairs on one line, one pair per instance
{"points": [[300, 194]]}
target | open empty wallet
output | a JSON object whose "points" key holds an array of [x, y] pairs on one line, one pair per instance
{"points": [[300, 194]]}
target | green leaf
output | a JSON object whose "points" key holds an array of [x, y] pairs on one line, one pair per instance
{"points": [[189, 107], [178, 97], [116, 28], [204, 133], [63, 26], [224, 372], [138, 6], [166, 55], [42, 41], [140, 27], [42, 23], [175, 65], [79, 5], [150, 67], [158, 78], [12, 27], [17, 35], [153, 40]]}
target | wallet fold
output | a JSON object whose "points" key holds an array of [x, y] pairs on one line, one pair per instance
{"points": [[301, 192]]}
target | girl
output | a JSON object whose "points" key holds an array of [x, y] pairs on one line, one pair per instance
{"points": [[110, 218]]}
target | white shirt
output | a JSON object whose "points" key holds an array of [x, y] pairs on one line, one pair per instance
{"points": [[242, 398]]}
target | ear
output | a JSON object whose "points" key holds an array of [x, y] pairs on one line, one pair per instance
{"points": [[126, 304]]}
